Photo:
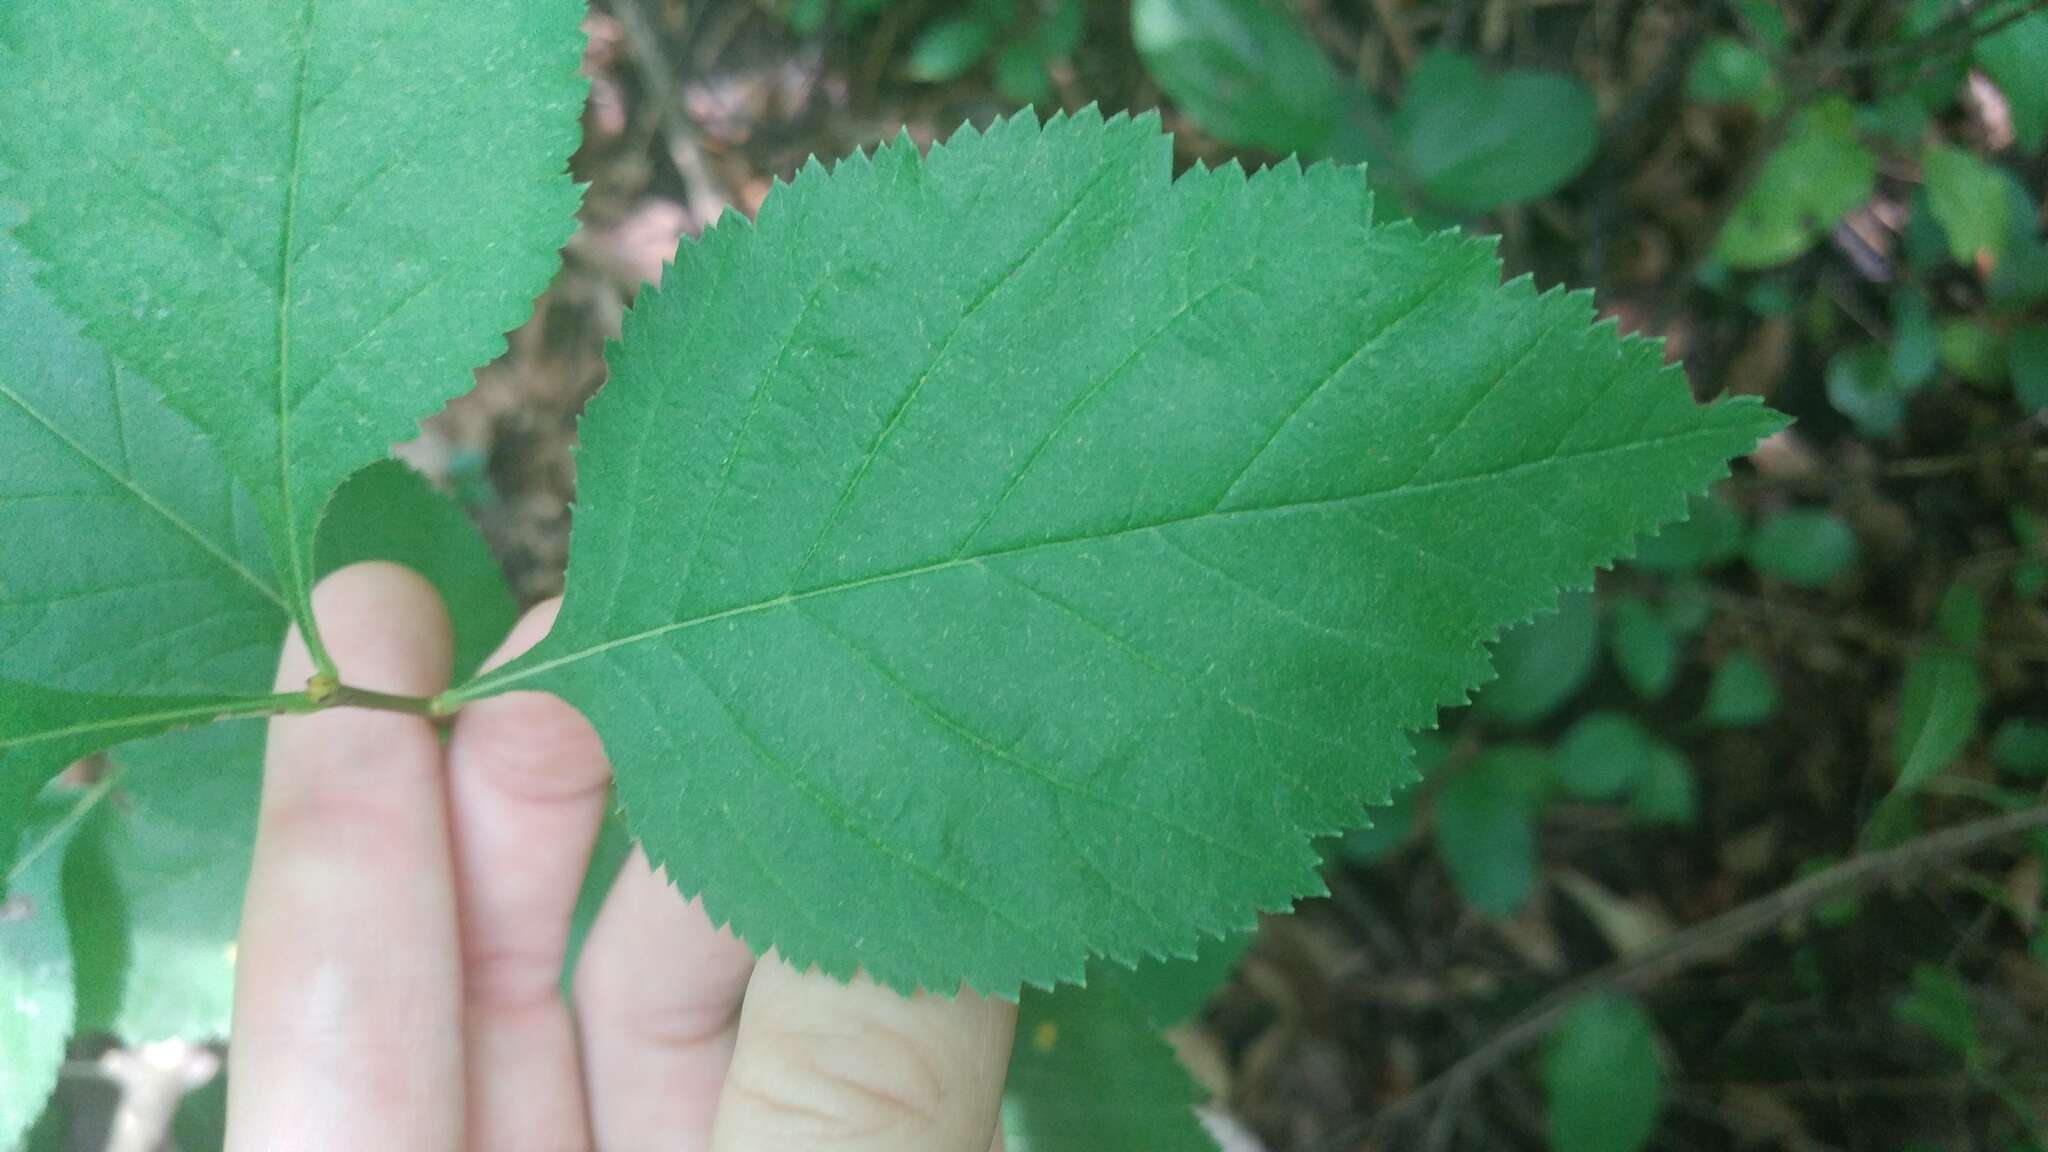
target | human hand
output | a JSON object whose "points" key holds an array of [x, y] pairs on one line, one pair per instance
{"points": [[402, 943]]}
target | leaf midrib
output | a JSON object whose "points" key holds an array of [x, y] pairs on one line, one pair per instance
{"points": [[219, 708], [284, 308], [488, 685], [148, 500]]}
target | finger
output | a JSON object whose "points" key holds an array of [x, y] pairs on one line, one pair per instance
{"points": [[526, 790], [347, 1018], [826, 1067], [657, 992]]}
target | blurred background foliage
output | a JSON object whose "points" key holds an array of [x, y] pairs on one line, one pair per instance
{"points": [[1744, 847]]}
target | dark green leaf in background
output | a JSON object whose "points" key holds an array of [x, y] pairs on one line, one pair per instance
{"points": [[1803, 546], [2020, 746], [1667, 792], [1914, 349], [2027, 359], [1711, 535], [1938, 1004], [1604, 1078], [1542, 664], [2016, 59], [951, 47], [1938, 707], [1172, 992], [1973, 350], [1861, 385], [1817, 175], [1741, 694], [1602, 755], [1243, 69], [1475, 139], [1967, 197], [1486, 822], [390, 512], [1645, 649], [1728, 71]]}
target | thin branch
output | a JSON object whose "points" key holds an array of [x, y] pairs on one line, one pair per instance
{"points": [[1699, 943], [346, 696]]}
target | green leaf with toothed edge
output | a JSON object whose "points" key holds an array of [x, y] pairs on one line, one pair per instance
{"points": [[304, 221], [994, 558]]}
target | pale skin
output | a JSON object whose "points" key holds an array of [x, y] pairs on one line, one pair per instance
{"points": [[401, 948]]}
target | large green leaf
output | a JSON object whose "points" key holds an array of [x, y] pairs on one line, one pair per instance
{"points": [[1090, 1073], [990, 559], [304, 222]]}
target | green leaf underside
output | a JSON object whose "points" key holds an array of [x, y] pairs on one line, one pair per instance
{"points": [[35, 984], [994, 558], [1090, 1073], [304, 222], [171, 853], [132, 564]]}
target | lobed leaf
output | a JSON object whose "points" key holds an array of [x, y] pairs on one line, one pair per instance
{"points": [[304, 222], [994, 558]]}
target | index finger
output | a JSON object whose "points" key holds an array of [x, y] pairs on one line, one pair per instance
{"points": [[348, 996]]}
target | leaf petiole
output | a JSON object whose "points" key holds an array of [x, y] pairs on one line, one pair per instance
{"points": [[345, 696]]}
